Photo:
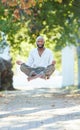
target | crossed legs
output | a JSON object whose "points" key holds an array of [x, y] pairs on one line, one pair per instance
{"points": [[39, 72]]}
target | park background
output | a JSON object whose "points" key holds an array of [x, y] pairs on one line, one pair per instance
{"points": [[45, 105]]}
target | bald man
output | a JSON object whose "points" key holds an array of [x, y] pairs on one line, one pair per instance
{"points": [[40, 63]]}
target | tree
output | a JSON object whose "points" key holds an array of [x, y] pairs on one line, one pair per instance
{"points": [[76, 8], [50, 17]]}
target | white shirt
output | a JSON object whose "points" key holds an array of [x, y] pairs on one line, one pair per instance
{"points": [[35, 60]]}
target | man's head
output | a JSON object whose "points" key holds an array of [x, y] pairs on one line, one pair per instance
{"points": [[40, 42]]}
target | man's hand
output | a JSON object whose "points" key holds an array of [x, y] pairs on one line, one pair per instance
{"points": [[53, 62], [19, 62]]}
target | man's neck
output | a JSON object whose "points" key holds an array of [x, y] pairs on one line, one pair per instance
{"points": [[40, 51]]}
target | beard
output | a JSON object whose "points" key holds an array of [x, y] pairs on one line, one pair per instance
{"points": [[40, 46]]}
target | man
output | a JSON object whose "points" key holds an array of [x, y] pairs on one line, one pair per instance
{"points": [[40, 63]]}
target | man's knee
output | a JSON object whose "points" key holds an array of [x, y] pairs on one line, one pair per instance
{"points": [[22, 66], [49, 70], [25, 69]]}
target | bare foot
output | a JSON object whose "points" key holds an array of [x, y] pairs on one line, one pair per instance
{"points": [[43, 77], [37, 76], [33, 77]]}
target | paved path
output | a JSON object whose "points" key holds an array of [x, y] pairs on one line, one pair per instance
{"points": [[39, 105], [39, 109]]}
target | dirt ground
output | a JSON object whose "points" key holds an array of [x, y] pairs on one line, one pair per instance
{"points": [[39, 109]]}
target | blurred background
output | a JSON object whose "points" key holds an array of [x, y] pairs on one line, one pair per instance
{"points": [[21, 21]]}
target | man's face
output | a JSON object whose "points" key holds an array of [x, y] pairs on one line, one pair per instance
{"points": [[40, 43]]}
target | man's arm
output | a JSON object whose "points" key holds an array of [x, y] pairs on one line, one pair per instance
{"points": [[51, 58], [29, 61]]}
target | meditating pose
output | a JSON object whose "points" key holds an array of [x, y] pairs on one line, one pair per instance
{"points": [[40, 63]]}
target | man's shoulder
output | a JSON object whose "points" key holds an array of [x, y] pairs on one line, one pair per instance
{"points": [[33, 50], [48, 50]]}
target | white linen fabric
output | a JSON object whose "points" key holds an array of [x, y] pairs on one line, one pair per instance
{"points": [[35, 60]]}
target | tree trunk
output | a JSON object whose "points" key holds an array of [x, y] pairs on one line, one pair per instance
{"points": [[6, 75], [78, 55]]}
